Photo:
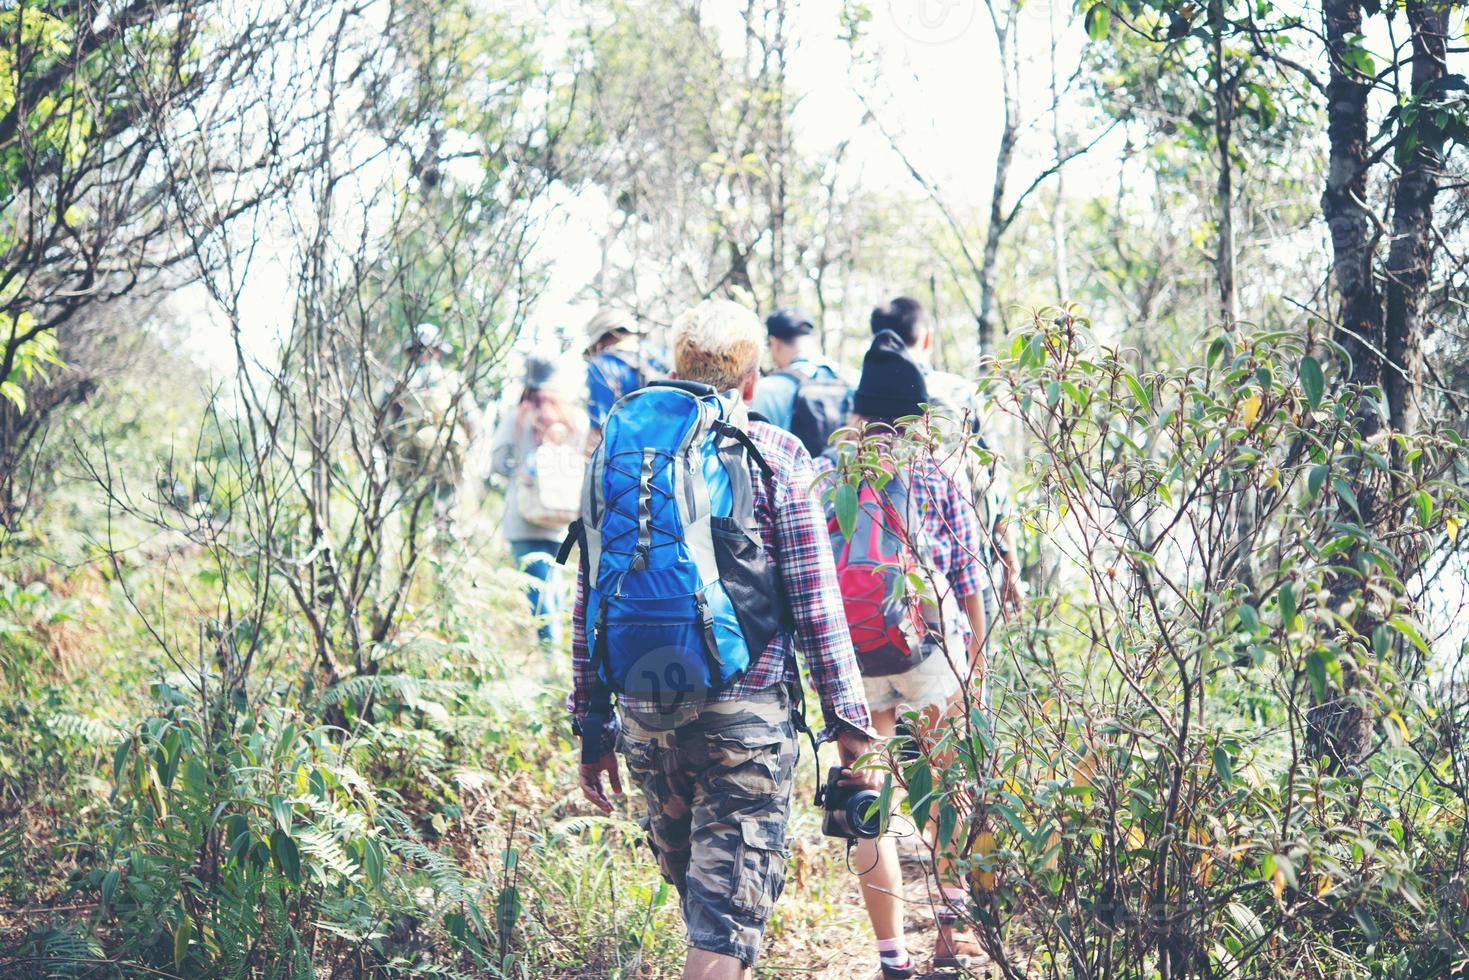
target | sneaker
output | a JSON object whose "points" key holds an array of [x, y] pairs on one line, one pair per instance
{"points": [[905, 972]]}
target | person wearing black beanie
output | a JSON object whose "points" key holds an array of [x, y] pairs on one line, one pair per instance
{"points": [[920, 519], [892, 385]]}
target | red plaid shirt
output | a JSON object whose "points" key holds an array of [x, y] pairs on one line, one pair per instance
{"points": [[952, 535], [793, 529]]}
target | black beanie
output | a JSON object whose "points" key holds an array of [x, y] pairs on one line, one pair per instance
{"points": [[892, 383]]}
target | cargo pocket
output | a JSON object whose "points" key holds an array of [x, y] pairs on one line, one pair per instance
{"points": [[749, 766], [641, 757], [760, 866]]}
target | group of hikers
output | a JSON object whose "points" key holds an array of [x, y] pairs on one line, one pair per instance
{"points": [[698, 496]]}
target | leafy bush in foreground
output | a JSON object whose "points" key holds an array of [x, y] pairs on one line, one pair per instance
{"points": [[1224, 741]]}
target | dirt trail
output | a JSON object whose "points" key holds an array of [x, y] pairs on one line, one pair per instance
{"points": [[819, 929], [838, 945]]}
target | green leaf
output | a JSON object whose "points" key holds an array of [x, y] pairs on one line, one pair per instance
{"points": [[372, 862], [1138, 391], [507, 911], [1287, 869], [1368, 924], [14, 394], [1222, 765], [109, 886], [1249, 619], [1425, 508], [948, 820], [1098, 20], [281, 808], [1287, 602], [920, 793], [1316, 672], [1313, 383], [1249, 924], [1410, 632], [120, 759], [182, 933], [1316, 478], [240, 845], [237, 835], [846, 508], [286, 855]]}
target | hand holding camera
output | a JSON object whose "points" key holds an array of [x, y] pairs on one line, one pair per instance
{"points": [[849, 797]]}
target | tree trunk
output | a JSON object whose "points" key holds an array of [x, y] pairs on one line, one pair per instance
{"points": [[1224, 189], [1339, 727], [782, 143], [1058, 208], [1009, 133], [1410, 257], [1343, 204]]}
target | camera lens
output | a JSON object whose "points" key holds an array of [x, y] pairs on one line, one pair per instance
{"points": [[864, 817]]}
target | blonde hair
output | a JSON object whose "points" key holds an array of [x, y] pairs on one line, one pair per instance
{"points": [[717, 343]]}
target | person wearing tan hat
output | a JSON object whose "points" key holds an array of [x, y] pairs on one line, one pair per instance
{"points": [[618, 361]]}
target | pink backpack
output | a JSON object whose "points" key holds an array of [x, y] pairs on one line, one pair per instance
{"points": [[888, 622]]}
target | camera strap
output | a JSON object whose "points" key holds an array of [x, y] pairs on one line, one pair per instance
{"points": [[798, 719]]}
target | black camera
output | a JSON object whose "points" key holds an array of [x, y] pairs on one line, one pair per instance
{"points": [[849, 811]]}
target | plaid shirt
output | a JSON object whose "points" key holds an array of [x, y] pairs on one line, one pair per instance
{"points": [[952, 536], [797, 544]]}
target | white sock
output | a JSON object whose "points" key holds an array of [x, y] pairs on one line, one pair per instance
{"points": [[892, 952]]}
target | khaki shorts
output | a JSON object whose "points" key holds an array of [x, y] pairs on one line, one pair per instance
{"points": [[931, 682], [718, 790]]}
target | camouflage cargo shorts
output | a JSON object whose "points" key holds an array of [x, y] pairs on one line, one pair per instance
{"points": [[718, 788]]}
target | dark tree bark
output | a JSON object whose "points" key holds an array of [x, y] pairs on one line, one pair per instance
{"points": [[1223, 83], [1382, 329], [1339, 729], [1410, 256], [989, 272], [1359, 322]]}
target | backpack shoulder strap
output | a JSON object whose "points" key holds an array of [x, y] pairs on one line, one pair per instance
{"points": [[739, 435], [572, 539]]}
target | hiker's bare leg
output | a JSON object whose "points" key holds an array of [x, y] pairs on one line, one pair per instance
{"points": [[879, 875], [945, 944], [704, 965]]}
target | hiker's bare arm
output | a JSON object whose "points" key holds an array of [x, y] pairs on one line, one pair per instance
{"points": [[1010, 576], [974, 609]]}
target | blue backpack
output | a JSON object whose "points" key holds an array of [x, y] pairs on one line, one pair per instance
{"points": [[679, 593]]}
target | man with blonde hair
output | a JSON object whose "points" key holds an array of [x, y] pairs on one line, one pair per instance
{"points": [[708, 717]]}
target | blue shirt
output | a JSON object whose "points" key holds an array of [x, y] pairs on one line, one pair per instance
{"points": [[775, 394], [612, 374]]}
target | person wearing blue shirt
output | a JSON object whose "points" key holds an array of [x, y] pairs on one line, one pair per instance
{"points": [[791, 337], [617, 362]]}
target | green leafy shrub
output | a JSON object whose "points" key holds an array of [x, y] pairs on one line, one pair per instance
{"points": [[1223, 741], [243, 840]]}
